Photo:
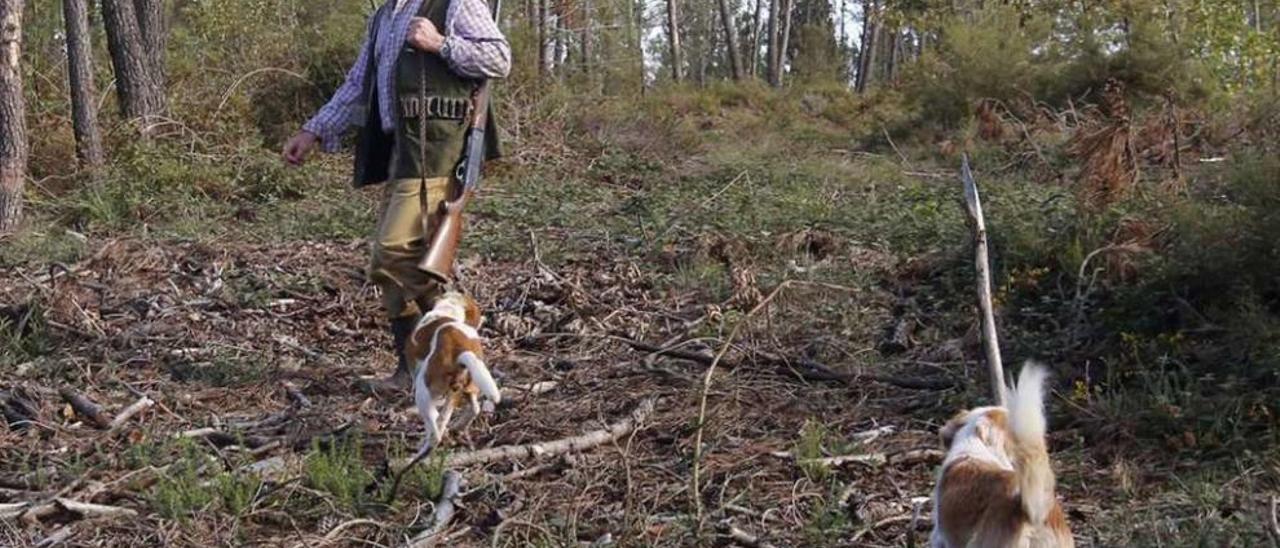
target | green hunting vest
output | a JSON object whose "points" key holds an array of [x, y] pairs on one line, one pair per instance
{"points": [[433, 104]]}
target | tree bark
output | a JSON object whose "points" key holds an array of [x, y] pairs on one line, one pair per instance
{"points": [[152, 28], [544, 37], [141, 96], [731, 41], [673, 38], [754, 50], [866, 53], [771, 54], [13, 126], [785, 38], [84, 112], [586, 37]]}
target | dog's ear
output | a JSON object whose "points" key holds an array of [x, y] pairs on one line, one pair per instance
{"points": [[948, 431]]}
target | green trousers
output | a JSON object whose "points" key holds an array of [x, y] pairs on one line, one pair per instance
{"points": [[401, 242]]}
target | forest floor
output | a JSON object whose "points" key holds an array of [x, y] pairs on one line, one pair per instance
{"points": [[865, 342]]}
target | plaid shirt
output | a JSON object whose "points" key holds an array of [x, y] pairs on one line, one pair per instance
{"points": [[473, 47]]}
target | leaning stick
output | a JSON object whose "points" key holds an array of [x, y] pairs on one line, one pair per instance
{"points": [[990, 340]]}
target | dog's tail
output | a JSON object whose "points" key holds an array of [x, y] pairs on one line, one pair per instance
{"points": [[1031, 455], [480, 375]]}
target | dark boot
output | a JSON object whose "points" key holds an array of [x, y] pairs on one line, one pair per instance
{"points": [[402, 379]]}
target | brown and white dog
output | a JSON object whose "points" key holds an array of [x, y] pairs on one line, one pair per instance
{"points": [[451, 371], [996, 487]]}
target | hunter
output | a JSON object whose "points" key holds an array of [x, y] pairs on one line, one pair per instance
{"points": [[410, 94]]}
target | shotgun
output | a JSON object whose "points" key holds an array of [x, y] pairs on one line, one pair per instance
{"points": [[443, 248]]}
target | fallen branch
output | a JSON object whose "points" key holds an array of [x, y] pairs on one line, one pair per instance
{"points": [[698, 357], [137, 407], [85, 408], [917, 456], [990, 340], [744, 538], [85, 510], [445, 509], [13, 510], [553, 448], [58, 537], [879, 524], [1275, 516], [868, 459]]}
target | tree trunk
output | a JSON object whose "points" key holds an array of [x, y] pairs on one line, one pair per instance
{"points": [[867, 53], [771, 54], [544, 37], [586, 37], [673, 37], [141, 97], [754, 50], [152, 28], [731, 41], [891, 64], [786, 40], [84, 112], [13, 125]]}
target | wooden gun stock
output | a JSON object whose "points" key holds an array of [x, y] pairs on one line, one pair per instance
{"points": [[443, 246]]}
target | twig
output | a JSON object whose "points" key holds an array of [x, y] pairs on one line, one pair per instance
{"points": [[137, 407], [58, 537], [694, 486], [445, 509], [990, 340], [332, 535], [882, 523], [868, 459]]}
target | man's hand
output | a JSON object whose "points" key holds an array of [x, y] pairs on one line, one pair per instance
{"points": [[424, 35], [298, 147]]}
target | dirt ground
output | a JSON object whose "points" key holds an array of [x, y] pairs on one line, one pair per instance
{"points": [[224, 337]]}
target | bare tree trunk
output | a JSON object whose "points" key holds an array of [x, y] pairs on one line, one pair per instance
{"points": [[673, 37], [13, 125], [867, 53], [771, 54], [141, 97], [586, 37], [785, 38], [891, 63], [731, 41], [544, 37], [561, 48], [755, 40], [151, 26], [84, 111]]}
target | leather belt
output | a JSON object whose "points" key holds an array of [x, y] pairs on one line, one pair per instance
{"points": [[435, 107]]}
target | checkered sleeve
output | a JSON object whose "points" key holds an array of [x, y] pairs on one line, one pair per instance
{"points": [[474, 46], [340, 113]]}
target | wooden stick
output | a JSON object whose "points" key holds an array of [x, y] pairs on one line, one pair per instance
{"points": [[553, 448], [58, 537], [445, 509], [85, 407], [1275, 516], [95, 510], [990, 340], [13, 510], [137, 407], [744, 538]]}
